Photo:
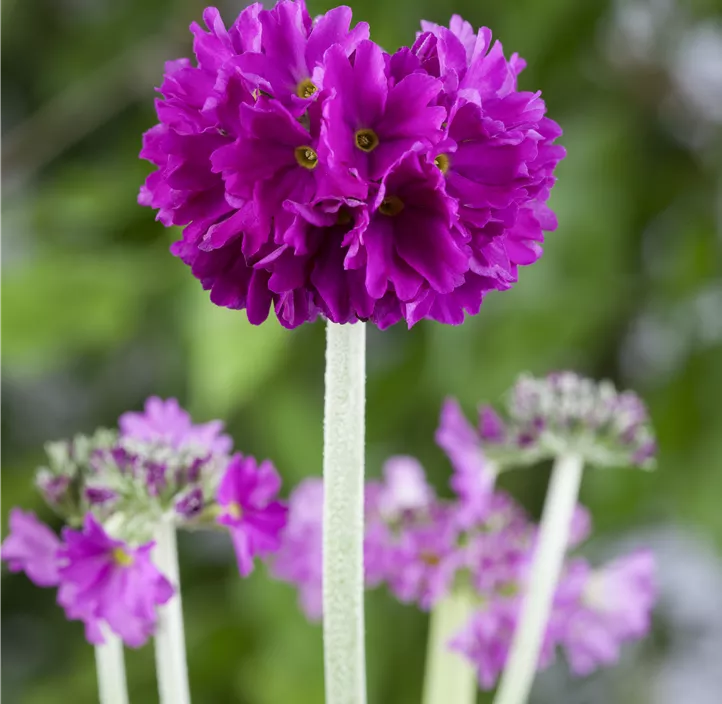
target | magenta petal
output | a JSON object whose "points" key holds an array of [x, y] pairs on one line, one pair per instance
{"points": [[428, 246], [33, 548], [369, 86]]}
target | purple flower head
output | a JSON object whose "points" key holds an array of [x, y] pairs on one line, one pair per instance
{"points": [[565, 412], [299, 559], [166, 422], [314, 173], [106, 580], [598, 611], [247, 498], [33, 548]]}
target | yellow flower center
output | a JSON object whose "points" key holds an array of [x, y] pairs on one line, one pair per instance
{"points": [[306, 88], [366, 140], [391, 206], [306, 157], [509, 589], [442, 161], [234, 510], [430, 558], [122, 558]]}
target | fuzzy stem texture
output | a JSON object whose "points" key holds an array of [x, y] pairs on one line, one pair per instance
{"points": [[518, 676], [110, 665], [170, 649], [343, 514], [449, 677]]}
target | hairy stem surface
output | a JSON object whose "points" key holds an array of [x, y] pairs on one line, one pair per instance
{"points": [[343, 514], [170, 648], [553, 539]]}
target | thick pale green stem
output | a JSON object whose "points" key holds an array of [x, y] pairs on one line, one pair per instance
{"points": [[112, 688], [343, 521], [449, 677], [551, 548], [170, 647]]}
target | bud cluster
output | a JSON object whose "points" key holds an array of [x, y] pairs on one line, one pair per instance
{"points": [[567, 413]]}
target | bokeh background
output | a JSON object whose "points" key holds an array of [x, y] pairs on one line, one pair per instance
{"points": [[97, 315]]}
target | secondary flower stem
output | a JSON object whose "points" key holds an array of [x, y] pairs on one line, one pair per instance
{"points": [[343, 514], [170, 649], [112, 688], [553, 539], [449, 677]]}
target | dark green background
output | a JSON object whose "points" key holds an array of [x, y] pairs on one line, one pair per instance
{"points": [[98, 315]]}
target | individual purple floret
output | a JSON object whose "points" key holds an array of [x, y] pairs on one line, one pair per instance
{"points": [[167, 423], [247, 497], [106, 580], [31, 547], [314, 173]]}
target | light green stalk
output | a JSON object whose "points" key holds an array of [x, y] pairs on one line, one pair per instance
{"points": [[518, 676], [449, 677], [110, 665], [170, 648], [343, 517]]}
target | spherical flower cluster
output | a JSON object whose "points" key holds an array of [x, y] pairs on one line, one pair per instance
{"points": [[114, 489], [544, 418], [315, 173], [424, 548], [159, 462], [565, 412]]}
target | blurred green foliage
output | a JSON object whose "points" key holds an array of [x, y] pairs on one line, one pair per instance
{"points": [[98, 315]]}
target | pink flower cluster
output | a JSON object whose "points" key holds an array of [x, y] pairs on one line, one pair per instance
{"points": [[109, 581], [423, 547]]}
